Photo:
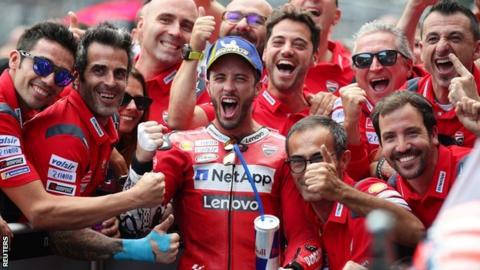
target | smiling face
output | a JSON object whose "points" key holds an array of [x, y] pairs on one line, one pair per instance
{"points": [[442, 35], [406, 144], [105, 79], [379, 81], [288, 55], [254, 34], [164, 28], [232, 88], [35, 91], [130, 115]]}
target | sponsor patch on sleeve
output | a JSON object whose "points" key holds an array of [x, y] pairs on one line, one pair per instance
{"points": [[7, 140], [56, 174], [10, 151], [63, 163], [61, 188], [15, 172], [12, 162]]}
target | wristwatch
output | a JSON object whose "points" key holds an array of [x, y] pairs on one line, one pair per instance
{"points": [[189, 54]]}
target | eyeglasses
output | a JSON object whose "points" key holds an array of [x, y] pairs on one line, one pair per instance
{"points": [[299, 164], [385, 57], [141, 102], [253, 19], [44, 67]]}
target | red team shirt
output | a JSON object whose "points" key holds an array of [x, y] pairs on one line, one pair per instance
{"points": [[69, 148], [330, 76], [427, 206], [15, 168], [447, 121]]}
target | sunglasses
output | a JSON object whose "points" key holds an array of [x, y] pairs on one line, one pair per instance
{"points": [[385, 57], [253, 19], [141, 102], [44, 67]]}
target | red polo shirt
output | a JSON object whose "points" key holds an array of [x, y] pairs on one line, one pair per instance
{"points": [[15, 168], [427, 206], [447, 121], [68, 147], [330, 76]]}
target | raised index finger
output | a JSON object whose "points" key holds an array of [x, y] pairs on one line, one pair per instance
{"points": [[459, 67], [326, 155]]}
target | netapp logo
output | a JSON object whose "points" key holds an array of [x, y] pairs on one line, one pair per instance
{"points": [[220, 177], [219, 202]]}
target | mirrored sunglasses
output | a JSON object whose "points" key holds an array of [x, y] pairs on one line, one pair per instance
{"points": [[44, 67]]}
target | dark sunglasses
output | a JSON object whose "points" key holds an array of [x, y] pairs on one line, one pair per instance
{"points": [[385, 57], [44, 67], [253, 19], [141, 102]]}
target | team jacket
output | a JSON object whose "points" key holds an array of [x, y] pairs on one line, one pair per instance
{"points": [[68, 147], [15, 169], [214, 203]]}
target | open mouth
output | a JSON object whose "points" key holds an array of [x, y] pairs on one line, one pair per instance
{"points": [[285, 67], [40, 91], [444, 65], [379, 84], [229, 107], [408, 158]]}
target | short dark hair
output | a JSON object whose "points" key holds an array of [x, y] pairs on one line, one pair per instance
{"points": [[290, 12], [106, 34], [397, 100], [339, 134], [50, 31], [139, 77], [450, 7]]}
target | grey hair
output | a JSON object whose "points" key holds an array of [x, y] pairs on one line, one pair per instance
{"points": [[379, 26]]}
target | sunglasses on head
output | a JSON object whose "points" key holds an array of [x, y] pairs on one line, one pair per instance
{"points": [[141, 102], [253, 19], [385, 57], [44, 67]]}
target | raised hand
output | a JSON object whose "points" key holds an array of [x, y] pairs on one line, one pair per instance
{"points": [[203, 29], [165, 246], [322, 178], [74, 26], [462, 86], [149, 139], [151, 189], [468, 112], [321, 103]]}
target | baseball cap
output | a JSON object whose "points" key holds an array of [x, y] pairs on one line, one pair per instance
{"points": [[235, 45]]}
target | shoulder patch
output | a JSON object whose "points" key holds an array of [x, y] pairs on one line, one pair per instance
{"points": [[377, 188]]}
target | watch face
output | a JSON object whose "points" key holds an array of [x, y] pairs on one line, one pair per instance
{"points": [[186, 51]]}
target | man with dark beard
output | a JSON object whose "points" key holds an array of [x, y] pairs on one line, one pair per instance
{"points": [[407, 130]]}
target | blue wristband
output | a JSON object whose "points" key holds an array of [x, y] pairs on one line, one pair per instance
{"points": [[140, 249]]}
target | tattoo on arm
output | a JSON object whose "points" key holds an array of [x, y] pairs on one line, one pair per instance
{"points": [[85, 244]]}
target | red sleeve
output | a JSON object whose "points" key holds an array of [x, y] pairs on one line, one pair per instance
{"points": [[300, 233], [209, 110], [359, 165], [361, 242], [174, 164], [62, 161], [15, 168]]}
